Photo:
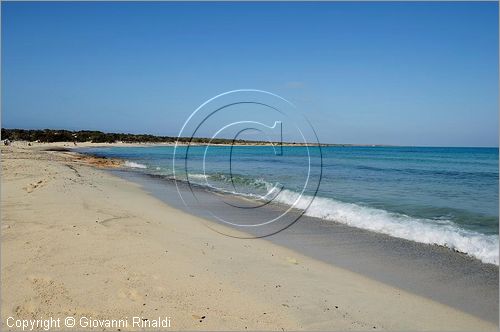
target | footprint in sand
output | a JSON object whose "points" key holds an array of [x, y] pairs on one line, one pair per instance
{"points": [[48, 295], [131, 294]]}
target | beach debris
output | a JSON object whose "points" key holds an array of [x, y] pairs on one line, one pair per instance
{"points": [[32, 186], [292, 260], [200, 318]]}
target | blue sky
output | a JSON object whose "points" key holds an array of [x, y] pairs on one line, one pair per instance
{"points": [[388, 73]]}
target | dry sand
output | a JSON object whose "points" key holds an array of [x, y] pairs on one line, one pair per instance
{"points": [[78, 241]]}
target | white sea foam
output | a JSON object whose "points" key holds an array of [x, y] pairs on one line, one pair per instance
{"points": [[134, 164], [430, 231], [196, 176], [440, 232]]}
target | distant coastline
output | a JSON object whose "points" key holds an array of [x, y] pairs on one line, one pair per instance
{"points": [[94, 136]]}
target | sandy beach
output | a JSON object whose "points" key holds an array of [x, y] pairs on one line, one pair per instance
{"points": [[78, 242]]}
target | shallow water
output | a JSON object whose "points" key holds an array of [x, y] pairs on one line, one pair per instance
{"points": [[446, 196]]}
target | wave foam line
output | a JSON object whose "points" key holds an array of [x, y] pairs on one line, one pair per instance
{"points": [[134, 164], [440, 232]]}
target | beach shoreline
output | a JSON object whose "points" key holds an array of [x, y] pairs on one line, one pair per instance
{"points": [[78, 241], [447, 276]]}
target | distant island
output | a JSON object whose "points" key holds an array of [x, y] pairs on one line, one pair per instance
{"points": [[94, 136]]}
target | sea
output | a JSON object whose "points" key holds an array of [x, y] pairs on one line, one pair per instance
{"points": [[446, 196]]}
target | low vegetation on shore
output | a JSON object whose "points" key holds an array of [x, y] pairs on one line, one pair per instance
{"points": [[94, 136]]}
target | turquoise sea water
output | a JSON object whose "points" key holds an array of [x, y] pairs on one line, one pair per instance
{"points": [[445, 196]]}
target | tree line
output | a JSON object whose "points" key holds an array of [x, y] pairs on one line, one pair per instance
{"points": [[94, 136]]}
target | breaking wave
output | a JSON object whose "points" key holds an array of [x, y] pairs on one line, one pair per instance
{"points": [[133, 164], [441, 232]]}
